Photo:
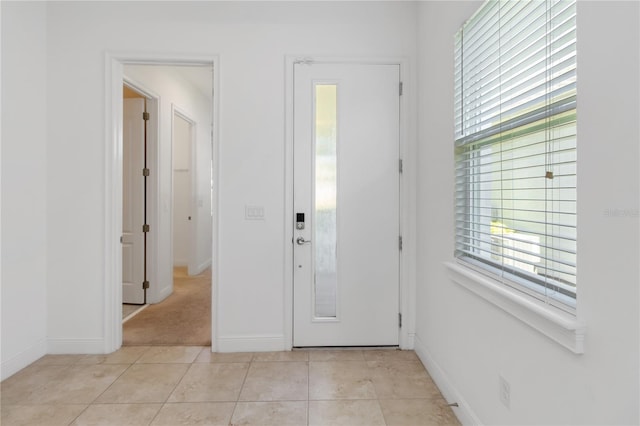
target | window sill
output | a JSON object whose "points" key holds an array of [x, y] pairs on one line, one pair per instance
{"points": [[562, 328]]}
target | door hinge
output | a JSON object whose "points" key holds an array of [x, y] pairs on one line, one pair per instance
{"points": [[145, 172], [145, 285], [145, 228], [400, 242], [399, 320], [145, 116], [401, 88], [400, 166]]}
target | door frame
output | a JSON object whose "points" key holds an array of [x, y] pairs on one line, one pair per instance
{"points": [[407, 194], [112, 292], [192, 267]]}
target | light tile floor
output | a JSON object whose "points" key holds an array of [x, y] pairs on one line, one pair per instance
{"points": [[187, 385]]}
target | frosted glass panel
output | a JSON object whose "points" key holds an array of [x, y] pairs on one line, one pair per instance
{"points": [[325, 200]]}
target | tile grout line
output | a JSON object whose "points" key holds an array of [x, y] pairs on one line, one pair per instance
{"points": [[308, 386], [244, 380], [136, 362], [101, 393], [193, 361], [385, 365], [375, 391], [162, 404]]}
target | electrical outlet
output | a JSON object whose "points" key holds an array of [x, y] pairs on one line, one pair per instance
{"points": [[504, 392]]}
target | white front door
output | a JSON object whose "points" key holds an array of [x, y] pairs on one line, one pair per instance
{"points": [[132, 201], [346, 204]]}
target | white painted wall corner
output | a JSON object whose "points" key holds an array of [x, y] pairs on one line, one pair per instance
{"points": [[23, 359], [463, 411]]}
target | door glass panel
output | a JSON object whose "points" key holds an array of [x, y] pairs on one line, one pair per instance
{"points": [[326, 278]]}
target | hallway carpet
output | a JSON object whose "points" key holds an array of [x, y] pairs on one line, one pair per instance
{"points": [[184, 318]]}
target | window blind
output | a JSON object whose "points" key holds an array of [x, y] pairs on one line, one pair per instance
{"points": [[515, 141]]}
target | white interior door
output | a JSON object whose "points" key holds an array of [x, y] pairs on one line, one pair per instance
{"points": [[182, 178], [346, 184], [133, 201]]}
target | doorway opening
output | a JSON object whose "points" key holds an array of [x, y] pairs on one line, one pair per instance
{"points": [[173, 90], [180, 312]]}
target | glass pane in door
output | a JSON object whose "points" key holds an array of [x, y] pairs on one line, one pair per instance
{"points": [[325, 201]]}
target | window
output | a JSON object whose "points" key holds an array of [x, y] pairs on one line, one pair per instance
{"points": [[515, 141], [326, 200]]}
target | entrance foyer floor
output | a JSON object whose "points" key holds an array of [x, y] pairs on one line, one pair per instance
{"points": [[170, 385]]}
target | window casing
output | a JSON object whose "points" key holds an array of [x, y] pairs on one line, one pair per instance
{"points": [[515, 141]]}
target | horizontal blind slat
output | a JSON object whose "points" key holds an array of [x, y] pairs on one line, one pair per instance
{"points": [[515, 97], [546, 267]]}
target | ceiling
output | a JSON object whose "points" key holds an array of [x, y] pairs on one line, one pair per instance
{"points": [[198, 76]]}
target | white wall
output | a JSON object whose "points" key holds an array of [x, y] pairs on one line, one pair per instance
{"points": [[174, 91], [24, 168], [468, 342], [251, 40]]}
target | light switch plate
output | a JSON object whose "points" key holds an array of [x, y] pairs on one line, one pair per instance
{"points": [[254, 212]]}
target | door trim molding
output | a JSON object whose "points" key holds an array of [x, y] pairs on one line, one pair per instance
{"points": [[407, 191], [112, 273]]}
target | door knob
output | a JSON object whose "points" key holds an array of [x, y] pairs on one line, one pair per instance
{"points": [[302, 241]]}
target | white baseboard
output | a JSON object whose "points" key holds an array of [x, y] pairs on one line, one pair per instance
{"points": [[242, 343], [463, 412], [408, 341], [201, 268], [163, 294], [16, 363], [75, 346]]}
